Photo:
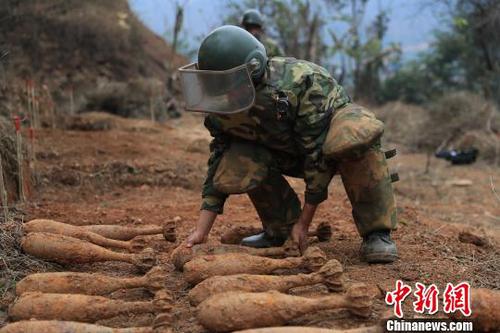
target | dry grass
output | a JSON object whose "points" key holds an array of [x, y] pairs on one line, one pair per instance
{"points": [[456, 114], [482, 268], [403, 124], [458, 120], [14, 264], [126, 99]]}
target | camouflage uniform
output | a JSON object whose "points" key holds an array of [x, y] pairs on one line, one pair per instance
{"points": [[272, 48], [321, 133]]}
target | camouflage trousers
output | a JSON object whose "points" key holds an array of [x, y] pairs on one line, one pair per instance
{"points": [[368, 185], [248, 167], [277, 204]]}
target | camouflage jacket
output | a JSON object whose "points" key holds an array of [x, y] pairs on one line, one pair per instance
{"points": [[272, 48], [296, 137]]}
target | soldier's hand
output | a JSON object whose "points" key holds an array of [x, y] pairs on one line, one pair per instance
{"points": [[299, 231], [299, 236], [200, 234], [196, 238]]}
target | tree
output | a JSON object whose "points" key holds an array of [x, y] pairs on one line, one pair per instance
{"points": [[478, 23], [364, 58], [303, 27], [179, 20], [297, 25], [465, 55], [410, 83]]}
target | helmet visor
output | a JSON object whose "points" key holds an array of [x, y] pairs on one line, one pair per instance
{"points": [[224, 92]]}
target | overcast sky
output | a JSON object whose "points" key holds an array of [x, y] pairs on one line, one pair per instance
{"points": [[411, 22]]}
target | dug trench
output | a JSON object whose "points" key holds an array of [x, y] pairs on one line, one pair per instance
{"points": [[147, 177]]}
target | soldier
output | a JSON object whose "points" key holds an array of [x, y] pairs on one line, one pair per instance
{"points": [[253, 22], [271, 117]]}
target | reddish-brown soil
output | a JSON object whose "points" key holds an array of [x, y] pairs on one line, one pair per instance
{"points": [[138, 173]]}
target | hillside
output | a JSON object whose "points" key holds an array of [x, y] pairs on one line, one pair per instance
{"points": [[84, 45]]}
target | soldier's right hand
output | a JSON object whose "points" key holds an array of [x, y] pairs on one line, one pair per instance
{"points": [[200, 234]]}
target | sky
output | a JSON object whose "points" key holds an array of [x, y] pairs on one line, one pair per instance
{"points": [[411, 22]]}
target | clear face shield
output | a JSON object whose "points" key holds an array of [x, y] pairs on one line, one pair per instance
{"points": [[222, 92]]}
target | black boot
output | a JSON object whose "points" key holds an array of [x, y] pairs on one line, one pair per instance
{"points": [[263, 240], [378, 247]]}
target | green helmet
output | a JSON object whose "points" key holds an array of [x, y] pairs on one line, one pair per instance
{"points": [[252, 17], [229, 47]]}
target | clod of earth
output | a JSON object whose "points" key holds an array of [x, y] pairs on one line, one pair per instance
{"points": [[83, 308], [298, 329], [203, 267], [472, 238], [331, 275], [235, 235], [485, 305], [68, 250], [55, 326], [88, 284], [182, 254], [240, 310], [126, 233], [323, 232]]}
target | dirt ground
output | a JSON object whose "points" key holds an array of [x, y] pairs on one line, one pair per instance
{"points": [[138, 173]]}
